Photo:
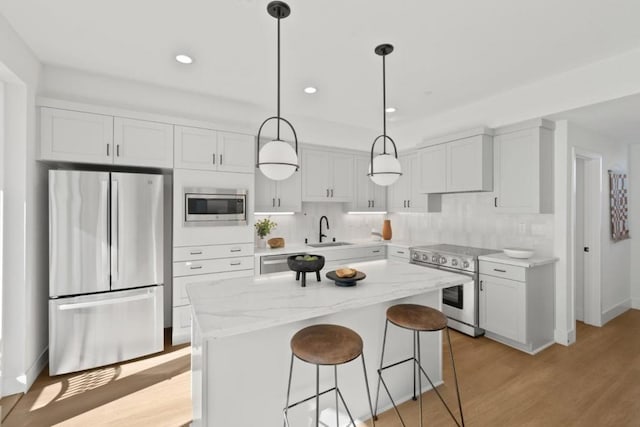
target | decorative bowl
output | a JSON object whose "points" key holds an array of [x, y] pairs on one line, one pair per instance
{"points": [[345, 281], [518, 252], [302, 266], [276, 242]]}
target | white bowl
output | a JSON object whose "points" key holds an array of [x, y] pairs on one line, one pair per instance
{"points": [[518, 252]]}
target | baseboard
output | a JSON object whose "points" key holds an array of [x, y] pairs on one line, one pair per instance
{"points": [[564, 337], [36, 368], [616, 311], [635, 303]]}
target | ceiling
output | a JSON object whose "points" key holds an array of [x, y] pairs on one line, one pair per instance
{"points": [[447, 53]]}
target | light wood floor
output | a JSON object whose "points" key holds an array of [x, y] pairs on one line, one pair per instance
{"points": [[595, 382]]}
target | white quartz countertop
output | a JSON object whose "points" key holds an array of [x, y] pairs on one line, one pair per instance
{"points": [[502, 258], [235, 306]]}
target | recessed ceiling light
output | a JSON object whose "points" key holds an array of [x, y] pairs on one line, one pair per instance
{"points": [[390, 110], [310, 89], [184, 59]]}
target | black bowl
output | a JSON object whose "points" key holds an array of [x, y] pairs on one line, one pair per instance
{"points": [[302, 266]]}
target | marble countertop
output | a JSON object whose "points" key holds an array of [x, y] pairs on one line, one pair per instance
{"points": [[502, 258], [235, 306]]}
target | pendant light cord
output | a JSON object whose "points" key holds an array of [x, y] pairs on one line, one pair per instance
{"points": [[384, 105], [278, 112]]}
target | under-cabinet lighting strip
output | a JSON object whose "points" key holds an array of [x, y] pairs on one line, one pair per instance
{"points": [[273, 213]]}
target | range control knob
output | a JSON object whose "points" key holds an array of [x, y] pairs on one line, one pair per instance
{"points": [[434, 259], [454, 262], [443, 260], [425, 257], [416, 255], [465, 264]]}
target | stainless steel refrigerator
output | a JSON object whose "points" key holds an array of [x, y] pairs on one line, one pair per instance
{"points": [[105, 268]]}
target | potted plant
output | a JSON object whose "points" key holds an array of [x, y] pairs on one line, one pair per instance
{"points": [[263, 228]]}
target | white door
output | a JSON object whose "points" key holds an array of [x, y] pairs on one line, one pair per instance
{"points": [[289, 193], [503, 307], [143, 143], [76, 137], [580, 240], [315, 175], [236, 152], [399, 192], [265, 200], [342, 186], [433, 165], [195, 148]]}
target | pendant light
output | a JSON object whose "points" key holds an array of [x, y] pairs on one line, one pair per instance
{"points": [[277, 160], [384, 169]]}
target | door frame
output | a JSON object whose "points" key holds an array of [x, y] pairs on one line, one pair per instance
{"points": [[593, 192]]}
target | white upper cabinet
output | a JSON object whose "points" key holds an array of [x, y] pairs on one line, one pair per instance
{"points": [[327, 175], [404, 195], [368, 197], [206, 149], [236, 152], [72, 136], [195, 148], [142, 143], [524, 168], [278, 196], [462, 165]]}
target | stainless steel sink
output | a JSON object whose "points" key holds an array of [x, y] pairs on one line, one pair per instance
{"points": [[328, 244]]}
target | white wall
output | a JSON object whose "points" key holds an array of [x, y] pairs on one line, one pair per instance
{"points": [[634, 221], [25, 265], [615, 256]]}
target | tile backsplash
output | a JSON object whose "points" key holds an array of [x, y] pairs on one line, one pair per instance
{"points": [[466, 219]]}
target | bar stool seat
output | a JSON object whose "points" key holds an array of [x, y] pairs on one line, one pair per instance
{"points": [[326, 345], [417, 317]]}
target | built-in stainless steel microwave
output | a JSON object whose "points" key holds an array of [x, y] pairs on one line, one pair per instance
{"points": [[215, 206]]}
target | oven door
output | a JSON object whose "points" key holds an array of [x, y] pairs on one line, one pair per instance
{"points": [[461, 302], [215, 207]]}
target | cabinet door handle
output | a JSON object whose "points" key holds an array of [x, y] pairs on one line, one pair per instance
{"points": [[195, 253], [278, 201], [495, 202], [373, 203], [481, 283], [117, 150], [236, 250], [408, 203], [327, 192], [404, 203], [195, 267], [273, 203], [376, 251], [220, 158], [368, 203], [107, 150], [332, 192], [214, 158], [235, 263], [400, 252], [499, 270]]}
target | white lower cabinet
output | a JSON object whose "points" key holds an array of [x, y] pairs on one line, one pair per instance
{"points": [[398, 253], [517, 304], [190, 266]]}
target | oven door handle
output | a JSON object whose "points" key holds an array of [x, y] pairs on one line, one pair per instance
{"points": [[453, 270]]}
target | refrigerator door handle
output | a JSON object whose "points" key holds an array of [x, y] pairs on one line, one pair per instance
{"points": [[110, 301], [115, 232]]}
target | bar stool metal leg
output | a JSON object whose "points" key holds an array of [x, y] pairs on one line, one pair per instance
{"points": [[455, 376], [286, 406], [318, 395], [414, 366], [419, 376], [366, 382]]}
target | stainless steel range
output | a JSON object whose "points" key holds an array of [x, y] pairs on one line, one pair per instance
{"points": [[459, 303]]}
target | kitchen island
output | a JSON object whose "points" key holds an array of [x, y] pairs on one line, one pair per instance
{"points": [[242, 327]]}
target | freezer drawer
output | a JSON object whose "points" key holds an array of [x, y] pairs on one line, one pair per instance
{"points": [[96, 330]]}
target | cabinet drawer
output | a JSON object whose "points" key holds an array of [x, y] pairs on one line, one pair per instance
{"points": [[206, 266], [191, 253], [180, 283], [181, 325], [503, 270], [398, 252]]}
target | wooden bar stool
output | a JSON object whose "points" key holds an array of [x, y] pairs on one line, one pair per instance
{"points": [[326, 345], [417, 318]]}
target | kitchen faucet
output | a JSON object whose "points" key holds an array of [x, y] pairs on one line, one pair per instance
{"points": [[327, 221]]}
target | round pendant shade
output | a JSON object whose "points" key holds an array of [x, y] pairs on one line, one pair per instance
{"points": [[278, 160], [386, 169]]}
